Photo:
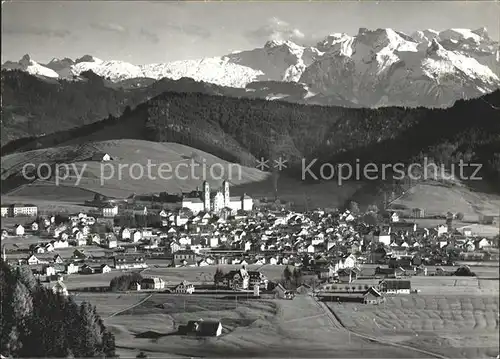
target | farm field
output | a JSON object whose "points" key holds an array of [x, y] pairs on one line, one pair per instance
{"points": [[458, 326], [436, 198], [109, 303], [453, 285], [254, 328], [76, 281]]}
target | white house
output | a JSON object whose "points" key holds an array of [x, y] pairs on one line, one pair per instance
{"points": [[273, 260], [5, 211], [350, 261], [33, 260], [174, 247], [49, 270], [24, 210], [19, 230], [60, 244], [441, 229], [110, 210], [39, 249], [111, 241], [147, 232], [101, 157], [382, 237], [214, 242], [104, 268], [482, 243], [71, 268], [184, 287], [394, 217], [247, 246], [125, 234], [136, 236], [85, 230], [196, 205]]}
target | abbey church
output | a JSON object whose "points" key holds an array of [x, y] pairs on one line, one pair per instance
{"points": [[205, 200]]}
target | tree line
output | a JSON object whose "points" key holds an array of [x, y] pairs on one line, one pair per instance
{"points": [[123, 282], [36, 322]]}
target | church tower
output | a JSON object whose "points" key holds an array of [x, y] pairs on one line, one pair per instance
{"points": [[225, 188], [206, 196]]}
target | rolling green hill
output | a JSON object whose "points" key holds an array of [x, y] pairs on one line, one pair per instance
{"points": [[188, 168]]}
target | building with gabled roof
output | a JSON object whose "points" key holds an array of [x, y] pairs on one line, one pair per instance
{"points": [[202, 328], [373, 296]]}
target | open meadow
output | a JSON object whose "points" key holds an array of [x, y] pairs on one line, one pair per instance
{"points": [[251, 328], [457, 326], [452, 316], [108, 304], [437, 199]]}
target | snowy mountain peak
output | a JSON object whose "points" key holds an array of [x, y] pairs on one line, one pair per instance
{"points": [[58, 60], [424, 35], [379, 67], [384, 67], [26, 59], [273, 43], [31, 67], [334, 42], [381, 38], [434, 47], [87, 58], [482, 32]]}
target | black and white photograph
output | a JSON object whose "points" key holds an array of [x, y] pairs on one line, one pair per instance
{"points": [[250, 179]]}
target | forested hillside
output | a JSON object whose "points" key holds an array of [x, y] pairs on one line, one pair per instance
{"points": [[468, 131], [242, 129], [33, 106], [38, 323]]}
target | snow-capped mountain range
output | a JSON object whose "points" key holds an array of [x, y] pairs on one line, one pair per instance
{"points": [[374, 68]]}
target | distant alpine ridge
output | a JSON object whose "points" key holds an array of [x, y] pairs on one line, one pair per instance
{"points": [[374, 68]]}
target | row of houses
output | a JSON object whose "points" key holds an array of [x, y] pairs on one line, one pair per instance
{"points": [[18, 210]]}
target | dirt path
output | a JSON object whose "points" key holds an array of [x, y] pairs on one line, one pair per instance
{"points": [[130, 307], [338, 324]]}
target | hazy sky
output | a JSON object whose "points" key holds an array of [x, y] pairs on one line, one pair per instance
{"points": [[149, 32]]}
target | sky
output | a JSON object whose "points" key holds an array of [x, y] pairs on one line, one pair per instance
{"points": [[150, 32]]}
